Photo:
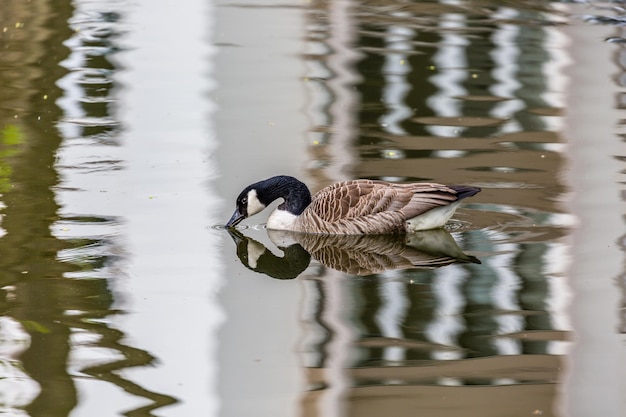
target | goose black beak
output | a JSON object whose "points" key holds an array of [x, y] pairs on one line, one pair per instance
{"points": [[236, 218]]}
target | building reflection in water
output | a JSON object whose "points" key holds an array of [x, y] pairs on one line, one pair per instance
{"points": [[448, 94], [620, 80], [60, 254], [398, 91]]}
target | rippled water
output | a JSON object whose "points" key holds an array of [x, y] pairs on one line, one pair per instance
{"points": [[128, 129]]}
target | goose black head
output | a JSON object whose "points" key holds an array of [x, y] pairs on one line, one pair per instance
{"points": [[256, 197], [248, 204]]}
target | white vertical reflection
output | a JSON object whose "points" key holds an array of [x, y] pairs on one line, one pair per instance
{"points": [[451, 65], [390, 317], [594, 382], [555, 94], [150, 181], [260, 128], [447, 324], [342, 39], [17, 389], [395, 72], [338, 287], [505, 56], [504, 295], [174, 266]]}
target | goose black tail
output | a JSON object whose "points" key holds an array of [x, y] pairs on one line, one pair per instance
{"points": [[464, 191]]}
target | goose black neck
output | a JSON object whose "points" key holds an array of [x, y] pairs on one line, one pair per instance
{"points": [[295, 193]]}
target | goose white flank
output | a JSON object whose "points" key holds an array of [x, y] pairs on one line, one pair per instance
{"points": [[351, 207]]}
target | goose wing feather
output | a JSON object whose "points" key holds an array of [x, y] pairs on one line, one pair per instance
{"points": [[369, 206], [424, 197], [359, 198]]}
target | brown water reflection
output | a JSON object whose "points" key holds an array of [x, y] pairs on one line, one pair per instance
{"points": [[30, 271], [477, 338], [453, 94]]}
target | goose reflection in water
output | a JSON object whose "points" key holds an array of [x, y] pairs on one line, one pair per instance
{"points": [[352, 254]]}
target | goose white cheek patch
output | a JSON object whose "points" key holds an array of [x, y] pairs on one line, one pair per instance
{"points": [[254, 205]]}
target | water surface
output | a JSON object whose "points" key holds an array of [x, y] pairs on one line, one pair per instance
{"points": [[128, 129]]}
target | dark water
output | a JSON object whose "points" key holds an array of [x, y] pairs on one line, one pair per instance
{"points": [[129, 128]]}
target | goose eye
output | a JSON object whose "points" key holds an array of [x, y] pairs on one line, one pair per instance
{"points": [[244, 201]]}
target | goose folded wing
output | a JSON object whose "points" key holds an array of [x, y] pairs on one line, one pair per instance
{"points": [[357, 198], [360, 198], [426, 197]]}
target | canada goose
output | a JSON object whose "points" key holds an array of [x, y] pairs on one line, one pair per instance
{"points": [[351, 207]]}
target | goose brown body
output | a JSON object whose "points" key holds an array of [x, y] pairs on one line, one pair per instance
{"points": [[352, 207], [370, 207]]}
